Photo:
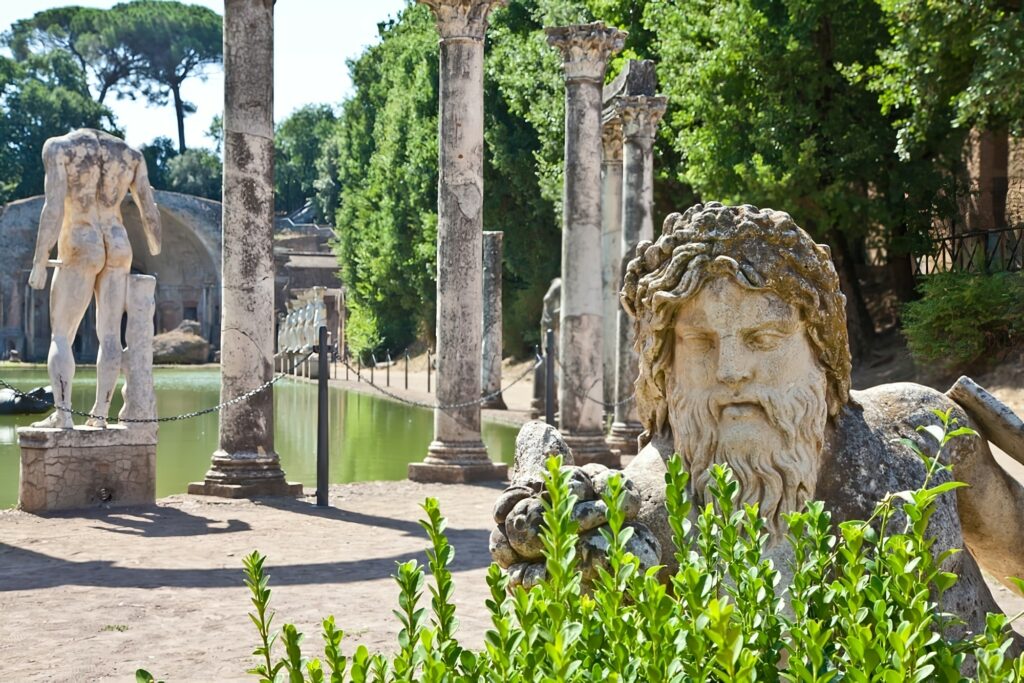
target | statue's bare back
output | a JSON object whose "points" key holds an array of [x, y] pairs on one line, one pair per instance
{"points": [[88, 175]]}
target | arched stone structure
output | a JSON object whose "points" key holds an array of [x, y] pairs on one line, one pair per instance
{"points": [[187, 270]]}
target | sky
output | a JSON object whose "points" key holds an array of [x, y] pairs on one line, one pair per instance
{"points": [[312, 41]]}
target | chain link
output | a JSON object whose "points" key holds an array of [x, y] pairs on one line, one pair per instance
{"points": [[173, 418], [585, 396], [452, 406]]}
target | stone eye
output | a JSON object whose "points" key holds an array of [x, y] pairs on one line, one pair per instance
{"points": [[765, 340], [698, 340]]}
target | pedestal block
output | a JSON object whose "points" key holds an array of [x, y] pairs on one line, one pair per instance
{"points": [[65, 469]]}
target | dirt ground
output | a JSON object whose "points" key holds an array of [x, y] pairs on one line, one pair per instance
{"points": [[91, 596]]}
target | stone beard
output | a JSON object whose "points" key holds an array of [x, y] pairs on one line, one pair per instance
{"points": [[771, 439]]}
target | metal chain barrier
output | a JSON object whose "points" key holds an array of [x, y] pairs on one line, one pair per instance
{"points": [[173, 418], [451, 406], [586, 396]]}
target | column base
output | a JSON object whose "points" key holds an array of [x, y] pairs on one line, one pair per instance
{"points": [[245, 475], [588, 448], [495, 403], [276, 488], [623, 438], [457, 463]]}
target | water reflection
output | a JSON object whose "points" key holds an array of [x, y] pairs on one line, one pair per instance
{"points": [[371, 439]]}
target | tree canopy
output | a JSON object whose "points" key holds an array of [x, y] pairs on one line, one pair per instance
{"points": [[40, 96], [143, 47]]}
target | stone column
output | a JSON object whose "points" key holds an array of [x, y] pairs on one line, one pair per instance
{"points": [[137, 364], [585, 50], [245, 463], [640, 116], [457, 453], [491, 354], [611, 245]]}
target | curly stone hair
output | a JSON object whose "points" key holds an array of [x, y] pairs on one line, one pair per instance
{"points": [[762, 249]]}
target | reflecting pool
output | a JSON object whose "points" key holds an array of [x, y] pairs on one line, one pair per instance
{"points": [[371, 438]]}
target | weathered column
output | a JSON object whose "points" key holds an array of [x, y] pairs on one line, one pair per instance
{"points": [[245, 464], [491, 353], [640, 116], [585, 50], [549, 320], [457, 453], [611, 245]]}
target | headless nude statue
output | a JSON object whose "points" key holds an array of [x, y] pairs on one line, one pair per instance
{"points": [[88, 174]]}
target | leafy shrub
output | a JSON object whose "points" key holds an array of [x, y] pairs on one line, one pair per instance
{"points": [[863, 604], [962, 318]]}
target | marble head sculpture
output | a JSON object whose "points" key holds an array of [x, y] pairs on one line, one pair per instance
{"points": [[759, 251], [740, 328]]}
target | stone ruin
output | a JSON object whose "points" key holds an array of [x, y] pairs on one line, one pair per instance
{"points": [[740, 328]]}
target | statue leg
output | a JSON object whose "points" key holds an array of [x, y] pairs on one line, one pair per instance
{"points": [[70, 292], [111, 289]]}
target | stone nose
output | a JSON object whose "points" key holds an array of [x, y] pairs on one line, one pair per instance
{"points": [[734, 364]]}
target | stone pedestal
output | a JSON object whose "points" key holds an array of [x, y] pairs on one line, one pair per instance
{"points": [[457, 453], [585, 51], [492, 342], [245, 463], [640, 116], [65, 469]]}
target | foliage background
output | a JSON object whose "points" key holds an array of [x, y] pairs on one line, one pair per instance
{"points": [[850, 114]]}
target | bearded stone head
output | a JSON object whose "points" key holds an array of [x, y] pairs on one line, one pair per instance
{"points": [[740, 327]]}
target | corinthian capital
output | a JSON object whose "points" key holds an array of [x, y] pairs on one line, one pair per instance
{"points": [[611, 139], [640, 114], [586, 48], [462, 18]]}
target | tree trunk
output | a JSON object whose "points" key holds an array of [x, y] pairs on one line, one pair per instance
{"points": [[900, 265], [859, 325], [179, 111]]}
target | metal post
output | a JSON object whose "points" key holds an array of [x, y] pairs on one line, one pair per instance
{"points": [[373, 366], [428, 371], [322, 454], [359, 368], [549, 378], [406, 369], [387, 370]]}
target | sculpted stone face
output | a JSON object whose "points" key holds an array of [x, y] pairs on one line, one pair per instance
{"points": [[740, 331], [747, 390]]}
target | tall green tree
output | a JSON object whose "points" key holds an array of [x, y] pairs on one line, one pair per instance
{"points": [[90, 36], [386, 177], [298, 142], [40, 97], [948, 66], [379, 177], [171, 42], [197, 172], [764, 114], [147, 47]]}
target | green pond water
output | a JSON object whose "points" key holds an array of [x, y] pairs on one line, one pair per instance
{"points": [[371, 438]]}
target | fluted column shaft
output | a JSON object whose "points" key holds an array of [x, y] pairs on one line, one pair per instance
{"points": [[457, 452], [585, 51], [640, 116]]}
